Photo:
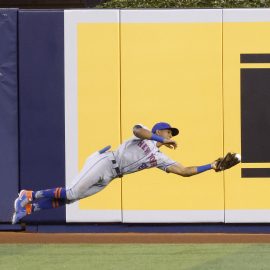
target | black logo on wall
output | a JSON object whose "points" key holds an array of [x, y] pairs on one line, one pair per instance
{"points": [[255, 114]]}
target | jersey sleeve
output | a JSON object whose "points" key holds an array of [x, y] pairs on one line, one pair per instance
{"points": [[164, 162], [142, 126]]}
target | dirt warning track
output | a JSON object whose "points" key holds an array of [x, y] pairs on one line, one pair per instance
{"points": [[130, 238]]}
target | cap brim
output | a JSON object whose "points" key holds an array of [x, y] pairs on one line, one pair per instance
{"points": [[175, 131]]}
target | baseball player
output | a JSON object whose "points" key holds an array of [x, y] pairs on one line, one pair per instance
{"points": [[138, 153]]}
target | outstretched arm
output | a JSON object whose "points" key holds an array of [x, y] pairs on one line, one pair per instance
{"points": [[190, 171], [143, 133]]}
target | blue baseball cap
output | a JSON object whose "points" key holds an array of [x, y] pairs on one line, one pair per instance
{"points": [[163, 125]]}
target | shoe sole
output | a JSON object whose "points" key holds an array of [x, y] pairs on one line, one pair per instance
{"points": [[15, 204], [12, 220]]}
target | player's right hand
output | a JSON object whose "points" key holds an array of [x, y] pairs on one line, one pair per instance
{"points": [[170, 143]]}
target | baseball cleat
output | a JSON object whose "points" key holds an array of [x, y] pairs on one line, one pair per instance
{"points": [[25, 197], [20, 209]]}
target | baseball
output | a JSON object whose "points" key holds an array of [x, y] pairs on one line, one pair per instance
{"points": [[238, 156]]}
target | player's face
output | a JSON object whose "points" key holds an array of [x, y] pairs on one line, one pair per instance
{"points": [[165, 133]]}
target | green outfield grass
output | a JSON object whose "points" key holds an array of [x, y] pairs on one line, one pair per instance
{"points": [[136, 256]]}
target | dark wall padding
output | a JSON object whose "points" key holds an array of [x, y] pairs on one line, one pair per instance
{"points": [[42, 127], [255, 112], [8, 112]]}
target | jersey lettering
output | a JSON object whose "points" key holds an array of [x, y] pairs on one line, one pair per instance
{"points": [[153, 161], [144, 147]]}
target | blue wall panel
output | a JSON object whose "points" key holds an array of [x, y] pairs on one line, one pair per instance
{"points": [[8, 112], [41, 103]]}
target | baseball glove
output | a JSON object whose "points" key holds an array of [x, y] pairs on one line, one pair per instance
{"points": [[227, 162]]}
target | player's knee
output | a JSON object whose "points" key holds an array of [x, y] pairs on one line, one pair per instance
{"points": [[71, 195], [74, 195], [70, 201]]}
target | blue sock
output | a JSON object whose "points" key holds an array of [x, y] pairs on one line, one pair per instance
{"points": [[54, 193], [47, 204]]}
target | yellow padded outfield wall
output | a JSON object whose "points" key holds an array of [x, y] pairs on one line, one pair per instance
{"points": [[92, 61], [171, 70], [124, 67], [245, 31]]}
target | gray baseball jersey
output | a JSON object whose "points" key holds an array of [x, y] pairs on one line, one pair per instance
{"points": [[132, 155], [136, 154]]}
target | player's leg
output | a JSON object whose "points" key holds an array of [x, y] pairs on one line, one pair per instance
{"points": [[28, 196], [49, 202], [94, 177], [30, 201], [46, 203]]}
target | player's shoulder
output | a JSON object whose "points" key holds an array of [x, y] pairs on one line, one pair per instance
{"points": [[140, 126], [134, 137]]}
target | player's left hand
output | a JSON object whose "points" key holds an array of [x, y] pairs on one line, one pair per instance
{"points": [[230, 160], [170, 143]]}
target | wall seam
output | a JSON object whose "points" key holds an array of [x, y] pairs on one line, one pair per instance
{"points": [[120, 102], [223, 119]]}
